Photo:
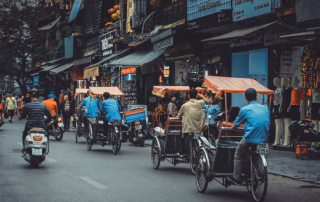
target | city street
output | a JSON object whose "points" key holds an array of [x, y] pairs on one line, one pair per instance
{"points": [[71, 173]]}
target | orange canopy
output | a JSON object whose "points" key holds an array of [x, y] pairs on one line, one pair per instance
{"points": [[219, 84], [162, 90], [81, 91], [100, 90]]}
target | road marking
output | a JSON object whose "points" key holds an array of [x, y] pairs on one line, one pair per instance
{"points": [[94, 183], [19, 143], [51, 159], [4, 136]]}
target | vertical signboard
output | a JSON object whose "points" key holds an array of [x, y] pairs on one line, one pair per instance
{"points": [[106, 47], [244, 9], [290, 62]]}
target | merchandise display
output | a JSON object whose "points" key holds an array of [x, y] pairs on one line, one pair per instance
{"points": [[286, 109], [277, 109], [297, 97]]}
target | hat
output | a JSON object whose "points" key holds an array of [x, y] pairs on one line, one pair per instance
{"points": [[52, 96]]}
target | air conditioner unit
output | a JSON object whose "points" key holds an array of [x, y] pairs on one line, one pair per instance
{"points": [[135, 20]]}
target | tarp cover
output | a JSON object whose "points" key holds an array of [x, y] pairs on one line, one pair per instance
{"points": [[161, 91], [101, 90], [81, 91], [219, 84]]}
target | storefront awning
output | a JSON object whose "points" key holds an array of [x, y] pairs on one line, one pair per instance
{"points": [[54, 61], [300, 34], [62, 68], [238, 33], [75, 10], [219, 84], [146, 37], [108, 58], [49, 67], [90, 52], [50, 25], [138, 58]]}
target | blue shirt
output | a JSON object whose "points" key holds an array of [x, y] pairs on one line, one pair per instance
{"points": [[256, 118], [111, 109], [212, 112], [92, 106]]}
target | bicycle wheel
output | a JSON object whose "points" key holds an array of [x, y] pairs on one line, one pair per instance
{"points": [[259, 177], [119, 142], [155, 155], [201, 172], [114, 143], [193, 156], [89, 138], [77, 131]]}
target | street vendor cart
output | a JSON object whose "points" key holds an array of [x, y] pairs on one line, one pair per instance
{"points": [[215, 161]]}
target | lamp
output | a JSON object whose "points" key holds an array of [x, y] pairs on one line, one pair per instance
{"points": [[166, 71]]}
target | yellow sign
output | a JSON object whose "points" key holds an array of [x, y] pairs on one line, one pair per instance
{"points": [[91, 72]]}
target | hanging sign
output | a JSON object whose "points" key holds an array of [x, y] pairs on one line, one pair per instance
{"points": [[29, 80], [290, 62], [91, 72], [244, 9]]}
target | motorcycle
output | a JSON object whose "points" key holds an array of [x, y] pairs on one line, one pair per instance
{"points": [[136, 134], [36, 146], [55, 128]]}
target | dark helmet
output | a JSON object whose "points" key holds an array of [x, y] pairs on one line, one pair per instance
{"points": [[34, 93]]}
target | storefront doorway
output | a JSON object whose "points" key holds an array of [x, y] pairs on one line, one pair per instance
{"points": [[250, 64]]}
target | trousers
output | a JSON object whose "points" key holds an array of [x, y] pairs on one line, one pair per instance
{"points": [[239, 157]]}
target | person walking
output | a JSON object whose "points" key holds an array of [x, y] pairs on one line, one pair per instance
{"points": [[11, 105], [19, 106], [66, 110]]}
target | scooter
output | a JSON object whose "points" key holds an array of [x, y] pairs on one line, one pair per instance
{"points": [[36, 146], [55, 128], [136, 134]]}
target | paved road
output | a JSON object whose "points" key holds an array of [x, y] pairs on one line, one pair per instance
{"points": [[71, 173]]}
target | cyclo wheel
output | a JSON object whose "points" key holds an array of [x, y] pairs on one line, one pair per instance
{"points": [[115, 143], [259, 177], [77, 131], [201, 170], [119, 142], [155, 155], [89, 138], [193, 156]]}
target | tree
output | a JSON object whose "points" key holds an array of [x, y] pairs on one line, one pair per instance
{"points": [[19, 36]]}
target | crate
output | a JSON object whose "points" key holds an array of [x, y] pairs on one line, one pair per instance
{"points": [[134, 115]]}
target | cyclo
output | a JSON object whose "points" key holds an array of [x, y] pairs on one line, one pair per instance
{"points": [[80, 132], [165, 141], [216, 161], [95, 125]]}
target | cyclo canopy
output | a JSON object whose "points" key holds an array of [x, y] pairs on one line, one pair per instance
{"points": [[100, 90], [161, 91], [219, 84], [80, 91]]}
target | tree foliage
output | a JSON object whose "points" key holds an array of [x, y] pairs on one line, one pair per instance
{"points": [[19, 36]]}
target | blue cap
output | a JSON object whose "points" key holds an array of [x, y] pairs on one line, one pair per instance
{"points": [[52, 96]]}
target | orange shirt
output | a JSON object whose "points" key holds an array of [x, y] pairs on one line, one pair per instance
{"points": [[296, 96], [52, 106]]}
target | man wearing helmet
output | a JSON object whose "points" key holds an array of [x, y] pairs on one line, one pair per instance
{"points": [[35, 111]]}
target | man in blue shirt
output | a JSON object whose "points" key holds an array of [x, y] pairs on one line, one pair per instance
{"points": [[92, 106], [256, 118], [111, 109]]}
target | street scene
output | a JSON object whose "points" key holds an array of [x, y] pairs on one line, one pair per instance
{"points": [[159, 100]]}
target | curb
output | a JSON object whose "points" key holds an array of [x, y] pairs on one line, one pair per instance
{"points": [[293, 178]]}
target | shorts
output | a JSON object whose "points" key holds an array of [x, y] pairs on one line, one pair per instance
{"points": [[295, 113], [11, 112], [315, 113], [276, 113]]}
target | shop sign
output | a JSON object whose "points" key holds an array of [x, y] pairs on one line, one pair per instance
{"points": [[91, 72], [290, 62], [221, 18], [200, 8], [244, 9], [273, 39], [129, 70]]}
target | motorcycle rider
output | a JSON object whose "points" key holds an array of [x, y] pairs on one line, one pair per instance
{"points": [[52, 105], [35, 111], [92, 106], [111, 109]]}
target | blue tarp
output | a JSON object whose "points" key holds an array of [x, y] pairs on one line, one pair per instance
{"points": [[75, 10]]}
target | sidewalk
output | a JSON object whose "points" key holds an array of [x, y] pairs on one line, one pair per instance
{"points": [[286, 164]]}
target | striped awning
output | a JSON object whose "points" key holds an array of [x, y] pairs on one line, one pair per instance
{"points": [[138, 58]]}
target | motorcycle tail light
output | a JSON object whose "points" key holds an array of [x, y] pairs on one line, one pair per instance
{"points": [[37, 138], [137, 123], [59, 119]]}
